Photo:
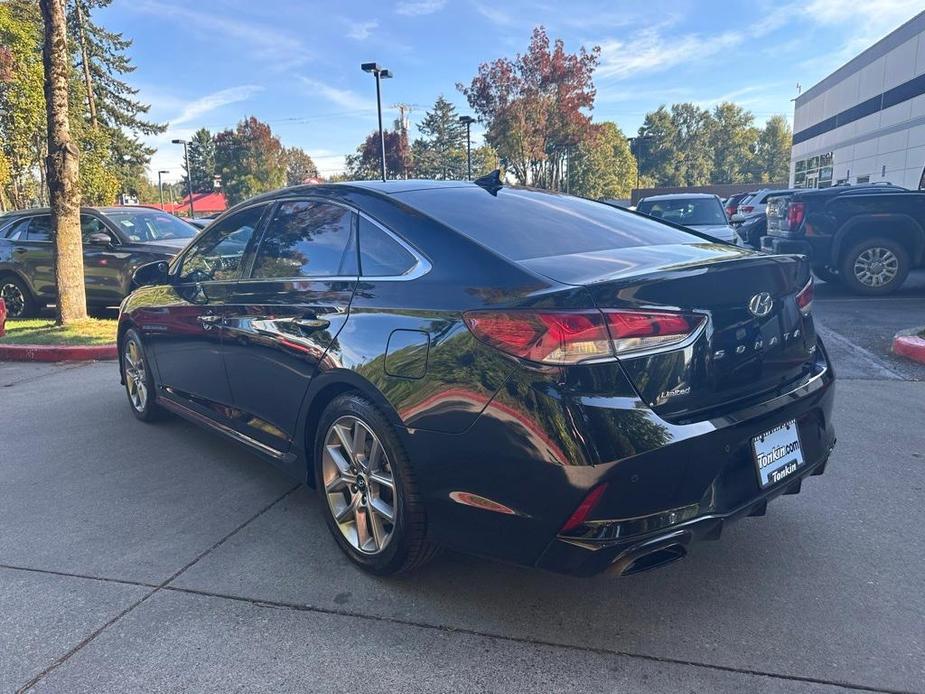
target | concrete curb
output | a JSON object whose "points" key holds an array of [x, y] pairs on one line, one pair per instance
{"points": [[907, 343], [58, 352]]}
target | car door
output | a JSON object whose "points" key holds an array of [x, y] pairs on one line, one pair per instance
{"points": [[283, 317], [103, 262], [35, 256], [184, 326]]}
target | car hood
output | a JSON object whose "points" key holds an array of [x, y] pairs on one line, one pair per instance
{"points": [[723, 232]]}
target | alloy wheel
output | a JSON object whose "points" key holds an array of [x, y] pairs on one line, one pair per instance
{"points": [[14, 299], [876, 267], [359, 485], [135, 375]]}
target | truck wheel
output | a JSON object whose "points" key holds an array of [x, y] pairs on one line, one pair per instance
{"points": [[826, 274], [874, 267]]}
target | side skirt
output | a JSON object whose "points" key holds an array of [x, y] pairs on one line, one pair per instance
{"points": [[209, 423]]}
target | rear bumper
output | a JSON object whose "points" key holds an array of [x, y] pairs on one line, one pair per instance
{"points": [[538, 452], [586, 557], [775, 244]]}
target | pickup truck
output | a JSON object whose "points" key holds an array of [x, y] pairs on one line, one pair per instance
{"points": [[867, 237]]}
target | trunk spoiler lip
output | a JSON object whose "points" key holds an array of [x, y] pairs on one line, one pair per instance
{"points": [[694, 267]]}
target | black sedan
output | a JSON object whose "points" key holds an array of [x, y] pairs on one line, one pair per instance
{"points": [[116, 241], [513, 373]]}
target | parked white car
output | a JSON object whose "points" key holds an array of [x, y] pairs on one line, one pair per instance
{"points": [[701, 212], [755, 205]]}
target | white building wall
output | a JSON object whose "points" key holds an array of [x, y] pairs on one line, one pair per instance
{"points": [[888, 145]]}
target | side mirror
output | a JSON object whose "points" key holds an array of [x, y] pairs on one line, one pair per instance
{"points": [[150, 274], [99, 238]]}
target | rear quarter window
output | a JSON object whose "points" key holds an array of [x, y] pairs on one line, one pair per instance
{"points": [[520, 224]]}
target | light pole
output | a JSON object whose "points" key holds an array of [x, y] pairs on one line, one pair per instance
{"points": [[633, 141], [381, 73], [189, 175], [468, 120], [160, 188]]}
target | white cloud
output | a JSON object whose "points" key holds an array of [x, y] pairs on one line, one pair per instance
{"points": [[266, 43], [342, 97], [210, 102], [494, 14], [414, 8], [650, 51], [361, 30], [882, 14]]}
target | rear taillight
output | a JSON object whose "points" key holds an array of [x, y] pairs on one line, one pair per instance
{"points": [[569, 337], [805, 298], [566, 337], [632, 331], [795, 212], [731, 210], [746, 209]]}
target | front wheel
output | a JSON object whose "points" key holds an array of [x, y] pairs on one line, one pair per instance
{"points": [[874, 267], [18, 299], [369, 498]]}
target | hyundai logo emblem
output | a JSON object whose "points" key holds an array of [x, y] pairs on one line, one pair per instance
{"points": [[761, 304]]}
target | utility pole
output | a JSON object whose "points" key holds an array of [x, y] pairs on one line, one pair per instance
{"points": [[468, 121]]}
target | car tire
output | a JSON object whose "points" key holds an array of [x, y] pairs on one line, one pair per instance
{"points": [[18, 298], [874, 267], [826, 274], [356, 498], [139, 381]]}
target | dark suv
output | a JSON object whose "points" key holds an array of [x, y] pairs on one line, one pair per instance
{"points": [[116, 241]]}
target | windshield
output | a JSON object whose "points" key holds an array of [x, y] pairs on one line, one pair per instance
{"points": [[685, 211], [148, 226]]}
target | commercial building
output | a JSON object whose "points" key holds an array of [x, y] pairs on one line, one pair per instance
{"points": [[865, 122]]}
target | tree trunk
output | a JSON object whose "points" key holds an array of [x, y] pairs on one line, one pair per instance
{"points": [[61, 165], [85, 59]]}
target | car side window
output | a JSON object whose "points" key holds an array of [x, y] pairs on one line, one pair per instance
{"points": [[91, 225], [216, 256], [17, 230], [380, 254], [39, 229], [307, 238]]}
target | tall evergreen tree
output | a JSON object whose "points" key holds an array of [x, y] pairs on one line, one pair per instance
{"points": [[110, 101], [443, 146], [201, 161]]}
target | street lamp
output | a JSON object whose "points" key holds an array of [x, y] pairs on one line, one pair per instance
{"points": [[468, 120], [633, 141], [381, 73], [189, 174], [160, 188]]}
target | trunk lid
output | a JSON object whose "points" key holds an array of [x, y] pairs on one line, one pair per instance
{"points": [[738, 355]]}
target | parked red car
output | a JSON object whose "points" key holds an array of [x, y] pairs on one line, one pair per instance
{"points": [[2, 317]]}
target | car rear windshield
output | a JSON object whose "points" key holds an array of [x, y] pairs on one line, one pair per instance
{"points": [[685, 211], [520, 224], [151, 226]]}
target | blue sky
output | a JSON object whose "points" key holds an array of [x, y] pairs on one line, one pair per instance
{"points": [[296, 64]]}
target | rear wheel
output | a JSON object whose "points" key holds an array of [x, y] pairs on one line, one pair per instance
{"points": [[18, 299], [139, 382], [368, 494], [875, 266]]}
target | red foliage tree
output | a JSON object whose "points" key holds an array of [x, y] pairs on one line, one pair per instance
{"points": [[535, 107]]}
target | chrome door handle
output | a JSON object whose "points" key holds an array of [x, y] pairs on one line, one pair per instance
{"points": [[312, 323]]}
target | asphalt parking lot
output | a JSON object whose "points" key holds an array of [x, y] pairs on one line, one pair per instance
{"points": [[160, 558]]}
